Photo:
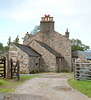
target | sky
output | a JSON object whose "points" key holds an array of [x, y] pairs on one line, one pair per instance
{"points": [[17, 17]]}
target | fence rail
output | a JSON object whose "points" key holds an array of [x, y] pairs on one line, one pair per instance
{"points": [[2, 68], [82, 71], [15, 69]]}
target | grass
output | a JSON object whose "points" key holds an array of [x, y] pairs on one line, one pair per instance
{"points": [[82, 86], [8, 85], [28, 77], [6, 90], [66, 74], [3, 82]]}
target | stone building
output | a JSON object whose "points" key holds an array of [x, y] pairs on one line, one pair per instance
{"points": [[53, 49], [29, 58], [81, 56]]}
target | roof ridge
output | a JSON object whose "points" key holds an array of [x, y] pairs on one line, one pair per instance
{"points": [[49, 48], [23, 48]]}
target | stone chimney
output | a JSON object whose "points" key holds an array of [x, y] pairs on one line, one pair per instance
{"points": [[47, 24], [67, 33], [27, 35]]}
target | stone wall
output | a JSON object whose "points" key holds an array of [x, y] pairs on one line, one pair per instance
{"points": [[34, 64], [48, 62], [58, 42], [63, 46], [82, 58], [16, 54], [28, 39]]}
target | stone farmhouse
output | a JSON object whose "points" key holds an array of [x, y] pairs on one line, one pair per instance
{"points": [[45, 51]]}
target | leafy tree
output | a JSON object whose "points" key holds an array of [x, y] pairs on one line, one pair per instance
{"points": [[35, 30], [1, 45], [77, 45], [9, 41], [3, 49], [16, 40]]}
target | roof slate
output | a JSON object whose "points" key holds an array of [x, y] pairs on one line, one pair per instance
{"points": [[86, 54], [74, 54], [28, 50], [51, 50]]}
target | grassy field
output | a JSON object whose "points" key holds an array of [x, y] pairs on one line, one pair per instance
{"points": [[82, 86], [8, 85]]}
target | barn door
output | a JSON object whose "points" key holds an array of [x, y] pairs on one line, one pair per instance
{"points": [[58, 62], [2, 68]]}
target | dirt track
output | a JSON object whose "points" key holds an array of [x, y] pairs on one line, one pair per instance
{"points": [[47, 87]]}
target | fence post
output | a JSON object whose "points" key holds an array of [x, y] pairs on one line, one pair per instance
{"points": [[18, 65], [4, 67], [11, 68], [78, 71]]}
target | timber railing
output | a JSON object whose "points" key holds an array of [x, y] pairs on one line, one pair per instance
{"points": [[3, 67], [15, 69], [82, 71]]}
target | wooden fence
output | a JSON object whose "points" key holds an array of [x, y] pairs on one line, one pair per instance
{"points": [[2, 68], [14, 69], [82, 71]]}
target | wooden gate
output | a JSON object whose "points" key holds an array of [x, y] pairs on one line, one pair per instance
{"points": [[15, 69], [2, 68], [82, 71]]}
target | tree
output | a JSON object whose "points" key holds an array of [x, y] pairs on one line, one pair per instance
{"points": [[3, 49], [9, 41], [16, 40], [77, 45], [35, 30], [1, 45]]}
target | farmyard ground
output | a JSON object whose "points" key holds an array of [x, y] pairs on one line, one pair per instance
{"points": [[47, 87]]}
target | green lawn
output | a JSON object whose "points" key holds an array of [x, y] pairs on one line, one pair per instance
{"points": [[82, 86], [8, 85]]}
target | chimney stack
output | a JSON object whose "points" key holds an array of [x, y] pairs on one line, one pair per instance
{"points": [[47, 24]]}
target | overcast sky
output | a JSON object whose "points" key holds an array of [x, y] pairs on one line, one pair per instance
{"points": [[20, 16]]}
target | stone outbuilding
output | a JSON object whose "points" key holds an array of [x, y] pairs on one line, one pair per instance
{"points": [[28, 57], [46, 50], [82, 56]]}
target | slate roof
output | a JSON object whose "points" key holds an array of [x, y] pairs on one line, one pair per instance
{"points": [[28, 50], [86, 54], [51, 50]]}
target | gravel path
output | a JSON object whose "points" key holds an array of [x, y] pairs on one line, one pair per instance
{"points": [[47, 87]]}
